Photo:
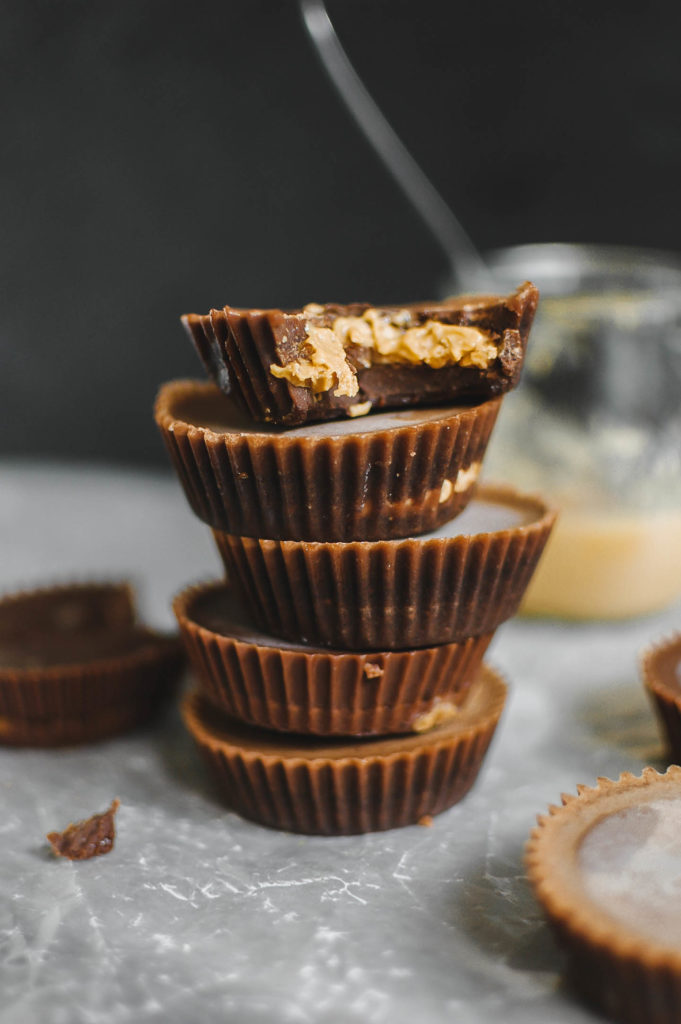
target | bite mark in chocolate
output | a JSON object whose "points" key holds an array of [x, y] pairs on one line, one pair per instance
{"points": [[332, 353], [85, 839], [326, 362]]}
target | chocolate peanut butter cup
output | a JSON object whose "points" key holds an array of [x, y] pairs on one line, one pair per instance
{"points": [[661, 671], [385, 475], [326, 361], [606, 868], [75, 666], [292, 688], [460, 581], [344, 787]]}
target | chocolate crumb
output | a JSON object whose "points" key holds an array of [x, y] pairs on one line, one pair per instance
{"points": [[426, 820], [372, 671], [84, 839]]}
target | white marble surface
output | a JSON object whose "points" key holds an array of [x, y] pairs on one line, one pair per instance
{"points": [[198, 915]]}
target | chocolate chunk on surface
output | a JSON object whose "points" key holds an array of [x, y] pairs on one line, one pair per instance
{"points": [[85, 839], [328, 361]]}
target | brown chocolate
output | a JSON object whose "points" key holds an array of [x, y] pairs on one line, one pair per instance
{"points": [[289, 687], [345, 787], [661, 669], [75, 666], [240, 348], [91, 838], [380, 476], [461, 581], [606, 868]]}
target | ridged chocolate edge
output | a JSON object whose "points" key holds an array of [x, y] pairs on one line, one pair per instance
{"points": [[618, 974], [79, 729], [352, 795], [324, 693], [666, 700], [239, 360], [364, 486], [619, 986], [144, 676], [387, 595]]}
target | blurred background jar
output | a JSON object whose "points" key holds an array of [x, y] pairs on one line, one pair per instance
{"points": [[596, 425]]}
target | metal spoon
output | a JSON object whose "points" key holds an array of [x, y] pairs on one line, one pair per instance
{"points": [[467, 269]]}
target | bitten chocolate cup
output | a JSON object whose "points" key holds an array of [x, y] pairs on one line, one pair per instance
{"points": [[325, 362], [75, 666], [346, 787], [661, 672], [379, 476], [606, 868], [292, 688], [460, 581]]}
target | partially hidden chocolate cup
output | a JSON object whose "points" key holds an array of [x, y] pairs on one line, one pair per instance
{"points": [[344, 787], [325, 362], [380, 476], [292, 688], [460, 581], [75, 665], [606, 868], [661, 672]]}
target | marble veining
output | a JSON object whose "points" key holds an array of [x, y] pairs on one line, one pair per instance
{"points": [[199, 915]]}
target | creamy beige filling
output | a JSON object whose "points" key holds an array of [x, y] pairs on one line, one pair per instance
{"points": [[442, 711], [359, 409], [382, 338], [464, 480]]}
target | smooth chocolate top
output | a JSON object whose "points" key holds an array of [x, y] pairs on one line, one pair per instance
{"points": [[607, 865], [202, 404], [631, 866]]}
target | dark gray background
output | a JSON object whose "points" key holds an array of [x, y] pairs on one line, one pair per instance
{"points": [[164, 157]]}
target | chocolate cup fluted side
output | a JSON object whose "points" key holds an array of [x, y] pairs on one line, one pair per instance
{"points": [[395, 782], [322, 692], [369, 485], [387, 595]]}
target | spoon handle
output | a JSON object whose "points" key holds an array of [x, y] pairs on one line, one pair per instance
{"points": [[467, 269]]}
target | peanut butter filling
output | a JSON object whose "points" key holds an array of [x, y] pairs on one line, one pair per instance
{"points": [[442, 712], [380, 337]]}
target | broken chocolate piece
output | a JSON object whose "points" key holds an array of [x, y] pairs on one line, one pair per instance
{"points": [[327, 361], [85, 839]]}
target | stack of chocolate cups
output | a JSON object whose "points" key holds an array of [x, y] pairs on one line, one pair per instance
{"points": [[341, 687]]}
